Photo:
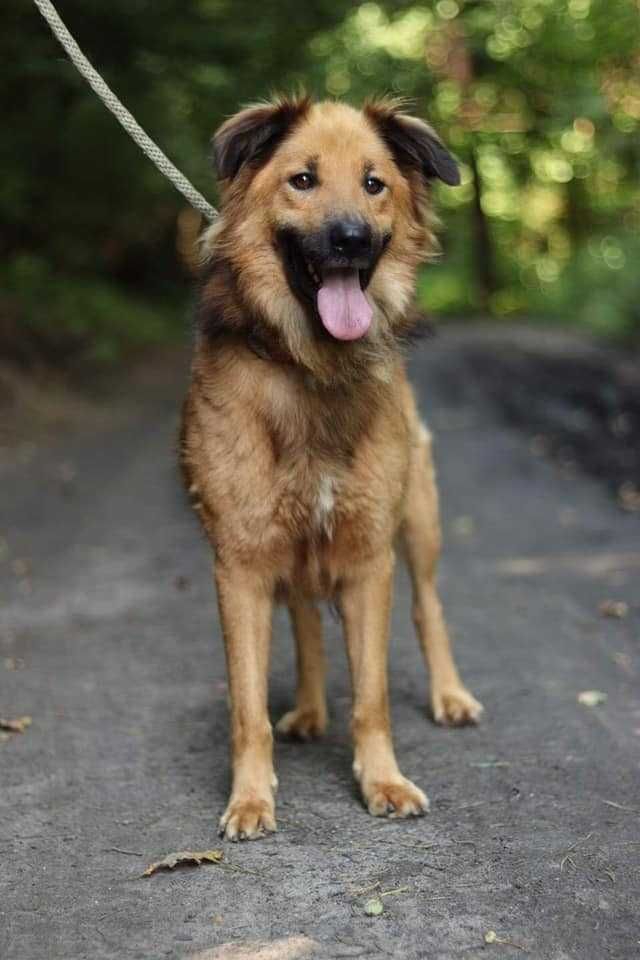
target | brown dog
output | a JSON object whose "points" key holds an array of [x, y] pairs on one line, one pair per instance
{"points": [[301, 442]]}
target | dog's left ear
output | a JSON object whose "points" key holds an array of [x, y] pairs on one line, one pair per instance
{"points": [[412, 142], [251, 136]]}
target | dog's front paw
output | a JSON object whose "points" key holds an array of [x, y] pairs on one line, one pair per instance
{"points": [[394, 798], [303, 723], [248, 819], [455, 706]]}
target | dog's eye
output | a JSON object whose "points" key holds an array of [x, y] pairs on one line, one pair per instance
{"points": [[373, 185], [302, 181]]}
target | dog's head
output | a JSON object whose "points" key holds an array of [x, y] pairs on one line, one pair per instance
{"points": [[325, 215]]}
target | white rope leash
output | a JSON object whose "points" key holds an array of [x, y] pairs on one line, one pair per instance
{"points": [[120, 112]]}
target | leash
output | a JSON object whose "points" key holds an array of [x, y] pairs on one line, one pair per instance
{"points": [[120, 112]]}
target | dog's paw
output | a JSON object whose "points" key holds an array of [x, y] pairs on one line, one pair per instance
{"points": [[455, 706], [303, 723], [247, 819], [395, 798]]}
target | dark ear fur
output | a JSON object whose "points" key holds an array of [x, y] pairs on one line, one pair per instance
{"points": [[253, 134], [413, 143]]}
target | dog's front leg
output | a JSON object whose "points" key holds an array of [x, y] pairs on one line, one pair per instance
{"points": [[365, 603], [245, 601]]}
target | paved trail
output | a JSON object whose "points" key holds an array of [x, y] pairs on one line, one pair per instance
{"points": [[109, 640]]}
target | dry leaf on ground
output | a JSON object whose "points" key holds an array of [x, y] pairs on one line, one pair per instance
{"points": [[592, 698], [617, 609], [184, 856], [288, 948], [629, 497], [19, 725]]}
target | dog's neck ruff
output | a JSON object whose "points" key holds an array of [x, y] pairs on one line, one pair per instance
{"points": [[271, 352], [224, 315]]}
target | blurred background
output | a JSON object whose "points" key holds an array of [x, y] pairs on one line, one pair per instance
{"points": [[113, 700], [540, 100]]}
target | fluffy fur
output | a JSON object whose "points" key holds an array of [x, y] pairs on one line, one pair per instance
{"points": [[305, 455]]}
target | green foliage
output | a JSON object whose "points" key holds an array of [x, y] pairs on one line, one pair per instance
{"points": [[72, 319], [539, 99]]}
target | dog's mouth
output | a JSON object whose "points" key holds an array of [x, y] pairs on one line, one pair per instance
{"points": [[334, 288]]}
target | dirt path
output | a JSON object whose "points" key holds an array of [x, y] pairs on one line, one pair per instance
{"points": [[109, 640]]}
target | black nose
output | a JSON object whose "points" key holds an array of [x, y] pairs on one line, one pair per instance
{"points": [[350, 238]]}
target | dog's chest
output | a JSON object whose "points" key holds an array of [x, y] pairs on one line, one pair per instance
{"points": [[323, 504], [311, 501], [329, 506]]}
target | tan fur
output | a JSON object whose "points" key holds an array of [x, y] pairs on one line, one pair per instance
{"points": [[345, 139], [306, 461]]}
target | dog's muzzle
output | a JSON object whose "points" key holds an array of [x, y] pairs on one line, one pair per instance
{"points": [[331, 269]]}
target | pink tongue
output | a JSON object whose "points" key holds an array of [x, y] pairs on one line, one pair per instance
{"points": [[342, 306]]}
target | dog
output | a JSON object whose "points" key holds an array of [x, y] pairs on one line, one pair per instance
{"points": [[301, 444]]}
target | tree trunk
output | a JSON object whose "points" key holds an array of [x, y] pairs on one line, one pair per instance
{"points": [[483, 254]]}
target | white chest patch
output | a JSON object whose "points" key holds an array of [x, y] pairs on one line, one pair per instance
{"points": [[324, 504]]}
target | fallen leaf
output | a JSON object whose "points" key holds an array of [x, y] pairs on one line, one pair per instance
{"points": [[629, 497], [13, 663], [492, 937], [184, 856], [592, 698], [21, 567], [373, 907], [288, 948], [19, 725], [617, 609]]}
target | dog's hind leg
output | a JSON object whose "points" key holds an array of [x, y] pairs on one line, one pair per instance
{"points": [[309, 716], [451, 702]]}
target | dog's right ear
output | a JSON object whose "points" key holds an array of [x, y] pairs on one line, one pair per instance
{"points": [[251, 136]]}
